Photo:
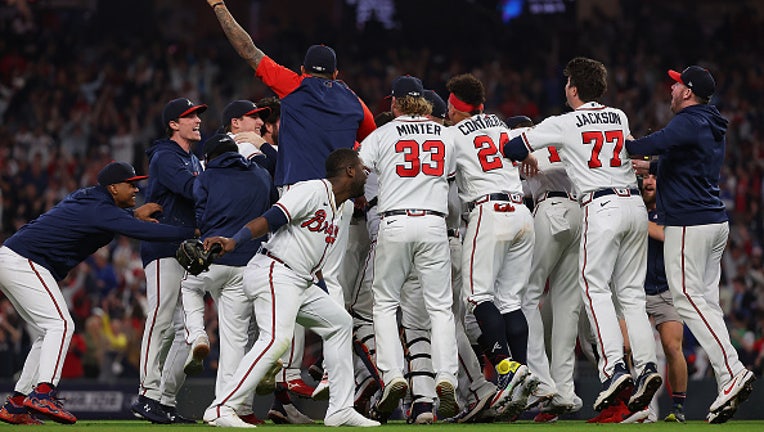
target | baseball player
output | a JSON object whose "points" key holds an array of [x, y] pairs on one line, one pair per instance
{"points": [[613, 249], [691, 149], [319, 114], [412, 157], [243, 120], [280, 281], [660, 306], [498, 243], [41, 253], [172, 168], [230, 192], [557, 227]]}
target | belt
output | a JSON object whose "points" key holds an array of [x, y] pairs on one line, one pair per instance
{"points": [[267, 253], [621, 192], [413, 213], [372, 202], [514, 198], [453, 232], [556, 194]]}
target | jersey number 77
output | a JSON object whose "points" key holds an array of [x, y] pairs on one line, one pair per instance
{"points": [[598, 139]]}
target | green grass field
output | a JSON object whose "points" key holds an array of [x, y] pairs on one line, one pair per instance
{"points": [[521, 426]]}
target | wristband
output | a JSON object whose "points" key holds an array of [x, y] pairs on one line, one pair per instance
{"points": [[244, 235], [218, 4]]}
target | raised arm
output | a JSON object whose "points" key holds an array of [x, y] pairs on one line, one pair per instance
{"points": [[239, 38]]}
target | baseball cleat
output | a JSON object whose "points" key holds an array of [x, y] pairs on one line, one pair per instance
{"points": [[348, 417], [321, 392], [545, 417], [421, 413], [471, 412], [391, 396], [676, 415], [300, 388], [447, 406], [268, 383], [150, 410], [648, 382], [175, 417], [723, 414], [738, 388], [14, 413], [618, 382], [47, 404], [363, 394], [287, 414], [251, 419], [195, 361]]}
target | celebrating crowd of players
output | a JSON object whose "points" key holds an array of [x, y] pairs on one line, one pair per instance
{"points": [[419, 164]]}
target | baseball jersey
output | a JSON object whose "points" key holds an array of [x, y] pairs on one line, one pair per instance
{"points": [[551, 176], [482, 169], [312, 218], [413, 158], [589, 140]]}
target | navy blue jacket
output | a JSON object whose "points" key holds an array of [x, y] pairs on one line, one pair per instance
{"points": [[171, 184], [692, 149], [229, 193], [655, 281], [317, 118], [79, 225]]}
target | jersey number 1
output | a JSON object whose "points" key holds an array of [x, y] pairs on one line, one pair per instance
{"points": [[412, 165], [599, 138]]}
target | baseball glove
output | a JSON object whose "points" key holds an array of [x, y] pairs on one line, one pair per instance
{"points": [[192, 256]]}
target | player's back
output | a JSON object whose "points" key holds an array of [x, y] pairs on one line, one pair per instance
{"points": [[482, 168], [590, 140], [413, 158]]}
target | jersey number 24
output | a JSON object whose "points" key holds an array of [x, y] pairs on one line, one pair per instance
{"points": [[412, 165]]}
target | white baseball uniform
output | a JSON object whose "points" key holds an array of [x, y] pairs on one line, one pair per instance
{"points": [[613, 248], [557, 224], [413, 158], [280, 281], [498, 244]]}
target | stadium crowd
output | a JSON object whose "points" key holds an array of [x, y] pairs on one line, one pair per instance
{"points": [[70, 104]]}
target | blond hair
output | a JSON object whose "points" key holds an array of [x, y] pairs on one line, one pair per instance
{"points": [[409, 105]]}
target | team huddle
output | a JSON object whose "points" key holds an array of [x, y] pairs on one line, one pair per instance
{"points": [[397, 239]]}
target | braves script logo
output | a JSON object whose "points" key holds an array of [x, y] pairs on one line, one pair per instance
{"points": [[319, 224]]}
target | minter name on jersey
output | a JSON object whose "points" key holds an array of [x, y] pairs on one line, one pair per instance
{"points": [[588, 118], [477, 123], [418, 128]]}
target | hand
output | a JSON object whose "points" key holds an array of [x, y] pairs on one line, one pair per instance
{"points": [[641, 167], [530, 166], [226, 243], [250, 137], [146, 211]]}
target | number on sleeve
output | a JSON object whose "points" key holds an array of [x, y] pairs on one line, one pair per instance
{"points": [[553, 155]]}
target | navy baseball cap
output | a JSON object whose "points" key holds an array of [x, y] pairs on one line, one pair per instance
{"points": [[516, 121], [180, 107], [697, 79], [219, 143], [118, 172], [438, 105], [241, 108], [320, 59], [407, 85]]}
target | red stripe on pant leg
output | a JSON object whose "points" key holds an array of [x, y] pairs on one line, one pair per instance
{"points": [[270, 343], [591, 303], [474, 243], [60, 315], [700, 314], [151, 328]]}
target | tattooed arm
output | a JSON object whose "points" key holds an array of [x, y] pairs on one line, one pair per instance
{"points": [[239, 38]]}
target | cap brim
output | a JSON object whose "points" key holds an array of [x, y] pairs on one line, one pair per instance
{"points": [[257, 110], [196, 108], [676, 76], [136, 178]]}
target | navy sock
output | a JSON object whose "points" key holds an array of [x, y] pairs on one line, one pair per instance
{"points": [[516, 327], [678, 398], [493, 339]]}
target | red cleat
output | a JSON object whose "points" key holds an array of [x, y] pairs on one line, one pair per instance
{"points": [[545, 417], [17, 414], [48, 405], [252, 419], [300, 388]]}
